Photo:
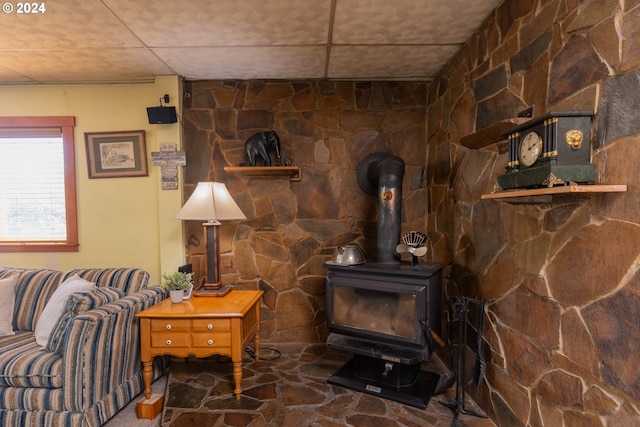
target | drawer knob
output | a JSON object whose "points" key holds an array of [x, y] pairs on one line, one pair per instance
{"points": [[168, 342], [210, 342], [168, 326], [209, 326]]}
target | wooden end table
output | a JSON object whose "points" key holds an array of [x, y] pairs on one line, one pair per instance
{"points": [[202, 327]]}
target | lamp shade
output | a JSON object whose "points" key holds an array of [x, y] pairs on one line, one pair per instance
{"points": [[210, 201]]}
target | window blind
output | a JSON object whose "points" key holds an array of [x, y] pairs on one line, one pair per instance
{"points": [[32, 194]]}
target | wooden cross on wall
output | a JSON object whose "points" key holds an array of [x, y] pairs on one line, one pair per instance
{"points": [[169, 159]]}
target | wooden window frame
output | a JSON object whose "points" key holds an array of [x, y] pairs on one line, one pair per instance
{"points": [[66, 124]]}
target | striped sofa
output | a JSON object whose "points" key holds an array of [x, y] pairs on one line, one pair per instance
{"points": [[97, 370]]}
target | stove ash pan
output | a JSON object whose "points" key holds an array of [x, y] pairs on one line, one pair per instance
{"points": [[384, 311]]}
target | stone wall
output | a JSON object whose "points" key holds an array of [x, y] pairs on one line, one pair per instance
{"points": [[560, 278], [293, 227]]}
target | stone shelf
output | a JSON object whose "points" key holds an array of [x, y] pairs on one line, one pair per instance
{"points": [[545, 195], [293, 172], [491, 134]]}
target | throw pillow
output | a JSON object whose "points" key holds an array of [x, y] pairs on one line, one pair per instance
{"points": [[55, 306], [78, 303], [8, 301]]}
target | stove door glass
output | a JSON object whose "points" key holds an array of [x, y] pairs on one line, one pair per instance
{"points": [[389, 313]]}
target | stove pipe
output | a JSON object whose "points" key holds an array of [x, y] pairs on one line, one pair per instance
{"points": [[380, 175]]}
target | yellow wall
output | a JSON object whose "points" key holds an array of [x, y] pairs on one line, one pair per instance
{"points": [[122, 222]]}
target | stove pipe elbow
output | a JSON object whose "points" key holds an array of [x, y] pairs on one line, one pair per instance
{"points": [[380, 175]]}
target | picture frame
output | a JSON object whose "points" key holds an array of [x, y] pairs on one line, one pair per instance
{"points": [[117, 154]]}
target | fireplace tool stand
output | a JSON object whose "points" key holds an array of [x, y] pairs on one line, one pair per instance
{"points": [[461, 309]]}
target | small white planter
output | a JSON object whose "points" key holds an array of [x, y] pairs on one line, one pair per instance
{"points": [[176, 296]]}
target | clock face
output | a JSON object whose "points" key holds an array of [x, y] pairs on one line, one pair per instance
{"points": [[552, 149], [530, 149]]}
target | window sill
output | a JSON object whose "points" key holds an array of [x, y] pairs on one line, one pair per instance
{"points": [[39, 247]]}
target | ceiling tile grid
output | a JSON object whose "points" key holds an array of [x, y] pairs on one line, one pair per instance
{"points": [[88, 41]]}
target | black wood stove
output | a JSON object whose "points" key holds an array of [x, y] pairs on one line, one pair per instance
{"points": [[386, 315]]}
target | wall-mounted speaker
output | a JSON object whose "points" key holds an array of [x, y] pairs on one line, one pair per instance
{"points": [[161, 115]]}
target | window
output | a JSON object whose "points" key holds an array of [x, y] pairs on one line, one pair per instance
{"points": [[37, 185]]}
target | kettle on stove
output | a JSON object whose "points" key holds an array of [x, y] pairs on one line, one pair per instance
{"points": [[348, 255]]}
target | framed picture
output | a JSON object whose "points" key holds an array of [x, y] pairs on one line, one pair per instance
{"points": [[116, 154]]}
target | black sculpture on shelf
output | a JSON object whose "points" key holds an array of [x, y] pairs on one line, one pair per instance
{"points": [[258, 146]]}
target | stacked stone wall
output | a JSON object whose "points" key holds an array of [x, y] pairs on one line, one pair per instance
{"points": [[560, 277], [293, 227]]}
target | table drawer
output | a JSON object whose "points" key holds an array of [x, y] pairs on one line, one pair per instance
{"points": [[211, 340], [158, 325], [170, 340], [200, 325]]}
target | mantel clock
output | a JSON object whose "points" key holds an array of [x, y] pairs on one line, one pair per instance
{"points": [[553, 149]]}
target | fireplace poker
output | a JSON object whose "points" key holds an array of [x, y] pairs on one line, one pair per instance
{"points": [[433, 334], [447, 379], [481, 365]]}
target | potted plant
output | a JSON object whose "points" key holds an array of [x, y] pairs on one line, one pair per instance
{"points": [[177, 283]]}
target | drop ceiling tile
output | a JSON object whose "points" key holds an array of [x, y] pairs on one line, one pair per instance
{"points": [[191, 23], [270, 62], [65, 24], [10, 77], [267, 39], [408, 21], [392, 62], [85, 65]]}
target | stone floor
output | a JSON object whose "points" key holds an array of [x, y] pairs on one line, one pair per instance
{"points": [[288, 387]]}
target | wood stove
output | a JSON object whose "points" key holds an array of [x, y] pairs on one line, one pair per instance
{"points": [[386, 315]]}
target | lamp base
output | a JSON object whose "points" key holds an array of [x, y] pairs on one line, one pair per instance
{"points": [[212, 292]]}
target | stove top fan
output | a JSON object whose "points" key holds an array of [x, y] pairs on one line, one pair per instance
{"points": [[412, 243]]}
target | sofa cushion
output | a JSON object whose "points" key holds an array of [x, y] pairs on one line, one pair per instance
{"points": [[129, 280], [55, 306], [77, 303], [24, 363], [7, 302], [33, 290]]}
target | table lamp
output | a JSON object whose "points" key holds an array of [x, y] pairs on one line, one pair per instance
{"points": [[211, 202]]}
